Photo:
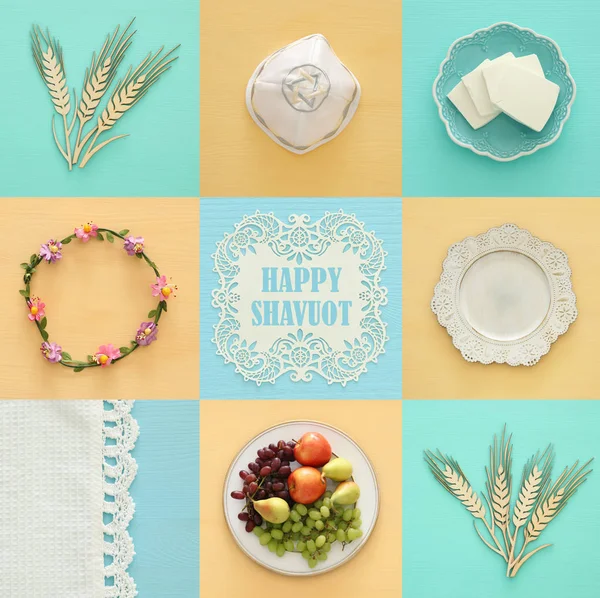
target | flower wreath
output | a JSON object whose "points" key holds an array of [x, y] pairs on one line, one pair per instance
{"points": [[147, 332]]}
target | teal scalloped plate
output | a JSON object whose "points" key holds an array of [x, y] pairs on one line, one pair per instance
{"points": [[503, 139]]}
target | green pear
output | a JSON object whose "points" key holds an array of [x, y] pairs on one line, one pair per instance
{"points": [[347, 493], [338, 470], [273, 510]]}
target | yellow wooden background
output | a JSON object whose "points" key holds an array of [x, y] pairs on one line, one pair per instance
{"points": [[225, 426], [238, 159], [432, 367], [98, 294]]}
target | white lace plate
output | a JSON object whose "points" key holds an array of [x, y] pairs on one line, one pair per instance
{"points": [[505, 296], [293, 563]]}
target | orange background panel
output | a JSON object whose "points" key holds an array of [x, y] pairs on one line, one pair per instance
{"points": [[225, 426], [238, 159], [97, 294], [432, 367]]}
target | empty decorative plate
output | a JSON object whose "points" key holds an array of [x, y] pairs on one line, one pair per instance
{"points": [[505, 296], [503, 138]]}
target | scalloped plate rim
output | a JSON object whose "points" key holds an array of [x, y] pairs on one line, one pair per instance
{"points": [[485, 153]]}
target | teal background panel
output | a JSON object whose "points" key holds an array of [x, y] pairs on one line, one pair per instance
{"points": [[442, 555], [161, 155], [383, 380], [433, 165], [166, 492]]}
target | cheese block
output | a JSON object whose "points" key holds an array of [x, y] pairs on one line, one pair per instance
{"points": [[475, 84], [521, 94], [492, 73], [460, 97]]}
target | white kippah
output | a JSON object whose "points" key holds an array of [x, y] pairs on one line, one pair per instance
{"points": [[302, 96]]}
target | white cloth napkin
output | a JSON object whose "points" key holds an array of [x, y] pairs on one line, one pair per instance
{"points": [[52, 493]]}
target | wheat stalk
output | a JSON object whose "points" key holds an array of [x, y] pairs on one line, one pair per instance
{"points": [[448, 473], [128, 92], [51, 67], [550, 503], [98, 79]]}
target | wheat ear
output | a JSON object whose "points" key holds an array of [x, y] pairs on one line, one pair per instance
{"points": [[550, 503], [499, 484], [448, 473], [98, 79], [535, 480], [51, 67], [128, 92]]}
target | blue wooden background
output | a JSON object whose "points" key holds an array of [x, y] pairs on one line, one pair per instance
{"points": [[165, 528], [383, 380]]}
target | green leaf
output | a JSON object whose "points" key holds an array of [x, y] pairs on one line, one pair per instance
{"points": [[67, 240], [67, 356], [138, 255], [44, 334], [79, 369], [24, 266], [164, 305], [110, 238], [90, 358], [26, 294], [152, 313], [124, 350], [100, 237], [123, 232], [43, 323], [32, 258]]}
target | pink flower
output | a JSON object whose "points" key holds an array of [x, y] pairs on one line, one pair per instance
{"points": [[86, 232], [133, 245], [162, 288], [106, 355], [52, 352], [36, 310], [50, 251]]}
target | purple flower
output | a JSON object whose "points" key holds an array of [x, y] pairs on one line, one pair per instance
{"points": [[50, 251], [133, 245], [146, 333], [52, 352]]}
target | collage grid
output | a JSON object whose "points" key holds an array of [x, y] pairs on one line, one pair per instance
{"points": [[328, 288]]}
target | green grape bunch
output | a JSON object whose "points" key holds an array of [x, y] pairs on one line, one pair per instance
{"points": [[312, 530]]}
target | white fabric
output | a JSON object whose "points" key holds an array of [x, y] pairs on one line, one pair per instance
{"points": [[302, 96], [51, 499]]}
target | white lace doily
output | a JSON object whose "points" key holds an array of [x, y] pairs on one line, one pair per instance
{"points": [[551, 286], [120, 432]]}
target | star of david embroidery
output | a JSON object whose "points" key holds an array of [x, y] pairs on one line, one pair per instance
{"points": [[306, 87]]}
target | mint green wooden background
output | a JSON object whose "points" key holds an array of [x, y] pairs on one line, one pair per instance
{"points": [[442, 555], [434, 166], [160, 158]]}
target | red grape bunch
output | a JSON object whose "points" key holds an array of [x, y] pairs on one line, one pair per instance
{"points": [[265, 478]]}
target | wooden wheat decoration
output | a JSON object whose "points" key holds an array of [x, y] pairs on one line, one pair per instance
{"points": [[48, 58], [537, 503], [98, 80]]}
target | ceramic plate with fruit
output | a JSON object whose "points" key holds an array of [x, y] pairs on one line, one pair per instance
{"points": [[301, 498]]}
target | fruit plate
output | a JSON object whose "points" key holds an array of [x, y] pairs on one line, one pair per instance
{"points": [[505, 296], [503, 139], [293, 563]]}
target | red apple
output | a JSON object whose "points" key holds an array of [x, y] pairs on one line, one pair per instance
{"points": [[313, 449], [306, 485]]}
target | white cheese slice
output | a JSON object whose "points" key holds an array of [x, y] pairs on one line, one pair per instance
{"points": [[475, 84], [493, 72], [460, 97], [523, 95], [532, 63]]}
